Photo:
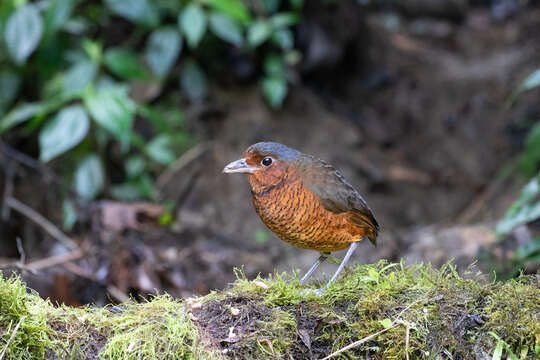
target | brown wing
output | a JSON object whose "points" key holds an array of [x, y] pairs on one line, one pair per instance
{"points": [[336, 194]]}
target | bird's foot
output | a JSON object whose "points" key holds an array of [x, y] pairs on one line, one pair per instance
{"points": [[317, 292]]}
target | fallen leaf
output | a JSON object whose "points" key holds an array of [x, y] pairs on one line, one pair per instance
{"points": [[305, 337], [117, 216]]}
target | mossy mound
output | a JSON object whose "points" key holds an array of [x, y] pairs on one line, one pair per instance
{"points": [[418, 312]]}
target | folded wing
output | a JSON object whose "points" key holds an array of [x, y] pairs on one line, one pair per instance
{"points": [[336, 194]]}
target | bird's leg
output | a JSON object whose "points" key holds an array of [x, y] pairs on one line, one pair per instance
{"points": [[352, 247], [319, 261]]}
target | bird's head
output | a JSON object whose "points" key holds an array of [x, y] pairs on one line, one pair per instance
{"points": [[265, 163]]}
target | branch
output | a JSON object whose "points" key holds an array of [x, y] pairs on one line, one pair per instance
{"points": [[41, 221]]}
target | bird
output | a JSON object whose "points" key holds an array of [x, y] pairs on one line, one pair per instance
{"points": [[306, 202]]}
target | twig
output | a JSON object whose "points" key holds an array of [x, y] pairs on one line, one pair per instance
{"points": [[118, 294], [12, 336], [269, 346], [54, 260], [40, 220], [184, 160], [48, 174], [360, 342], [8, 188], [20, 248], [28, 161], [398, 317], [46, 262], [407, 341]]}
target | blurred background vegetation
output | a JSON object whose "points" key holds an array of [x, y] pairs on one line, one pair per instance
{"points": [[79, 74], [429, 107]]}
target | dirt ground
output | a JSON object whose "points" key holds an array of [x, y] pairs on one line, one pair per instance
{"points": [[409, 106]]}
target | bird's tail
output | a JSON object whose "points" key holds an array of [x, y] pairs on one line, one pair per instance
{"points": [[369, 225], [372, 236]]}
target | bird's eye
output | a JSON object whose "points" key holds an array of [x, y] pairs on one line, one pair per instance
{"points": [[267, 161]]}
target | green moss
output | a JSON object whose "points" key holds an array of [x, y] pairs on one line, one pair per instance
{"points": [[441, 311], [157, 329], [438, 311], [282, 289], [19, 307], [513, 313], [163, 320]]}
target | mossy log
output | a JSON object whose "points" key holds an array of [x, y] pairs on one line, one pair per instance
{"points": [[386, 311]]}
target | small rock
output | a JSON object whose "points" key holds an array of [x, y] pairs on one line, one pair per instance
{"points": [[235, 311]]}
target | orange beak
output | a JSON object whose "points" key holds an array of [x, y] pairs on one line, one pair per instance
{"points": [[239, 166]]}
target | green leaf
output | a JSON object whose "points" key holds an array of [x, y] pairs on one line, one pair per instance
{"points": [[532, 81], [284, 39], [105, 81], [94, 49], [258, 32], [89, 177], [63, 132], [530, 248], [19, 115], [526, 208], [162, 50], [76, 25], [159, 149], [226, 29], [233, 8], [386, 323], [273, 66], [140, 11], [69, 215], [9, 87], [530, 157], [271, 6], [123, 63], [112, 109], [297, 4], [57, 15], [23, 32], [525, 214], [284, 20], [136, 189], [126, 192], [274, 90], [193, 81], [292, 57], [192, 21], [78, 77], [134, 166], [497, 353]]}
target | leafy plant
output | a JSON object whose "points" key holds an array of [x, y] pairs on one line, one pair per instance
{"points": [[526, 208], [69, 79]]}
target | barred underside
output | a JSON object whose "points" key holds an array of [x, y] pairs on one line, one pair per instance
{"points": [[297, 216]]}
